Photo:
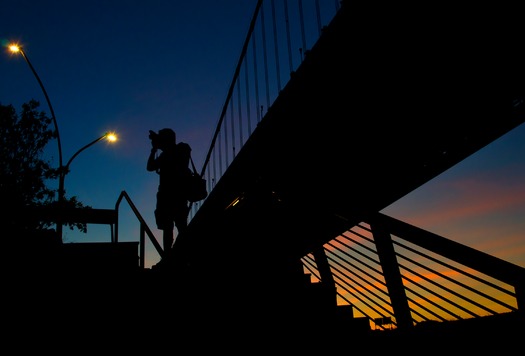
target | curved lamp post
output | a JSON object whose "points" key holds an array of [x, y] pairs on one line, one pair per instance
{"points": [[17, 49], [111, 137]]}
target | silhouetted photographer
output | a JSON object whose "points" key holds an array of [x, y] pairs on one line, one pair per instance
{"points": [[172, 166]]}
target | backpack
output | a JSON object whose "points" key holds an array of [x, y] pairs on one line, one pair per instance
{"points": [[195, 184], [183, 154]]}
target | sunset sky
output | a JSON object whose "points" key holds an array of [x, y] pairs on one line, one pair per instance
{"points": [[134, 66]]}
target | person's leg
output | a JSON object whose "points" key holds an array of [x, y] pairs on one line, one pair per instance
{"points": [[164, 220], [167, 239], [181, 223], [180, 215]]}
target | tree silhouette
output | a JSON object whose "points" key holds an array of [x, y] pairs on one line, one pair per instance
{"points": [[24, 173]]}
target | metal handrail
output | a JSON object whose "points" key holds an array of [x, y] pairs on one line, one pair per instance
{"points": [[144, 228], [257, 35], [440, 279]]}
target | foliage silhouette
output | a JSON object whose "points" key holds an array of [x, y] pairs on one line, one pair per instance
{"points": [[24, 173]]}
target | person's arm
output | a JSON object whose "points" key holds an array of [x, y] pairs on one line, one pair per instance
{"points": [[152, 162]]}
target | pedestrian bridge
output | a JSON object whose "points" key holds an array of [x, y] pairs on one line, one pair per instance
{"points": [[378, 100], [381, 103]]}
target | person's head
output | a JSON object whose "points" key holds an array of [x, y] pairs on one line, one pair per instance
{"points": [[167, 138]]}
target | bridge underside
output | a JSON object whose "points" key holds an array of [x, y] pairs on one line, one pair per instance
{"points": [[384, 102], [381, 105]]}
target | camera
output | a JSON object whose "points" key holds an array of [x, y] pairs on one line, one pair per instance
{"points": [[154, 137]]}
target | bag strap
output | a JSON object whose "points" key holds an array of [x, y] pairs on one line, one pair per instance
{"points": [[193, 165]]}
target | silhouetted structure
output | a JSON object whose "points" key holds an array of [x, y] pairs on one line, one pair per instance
{"points": [[383, 124]]}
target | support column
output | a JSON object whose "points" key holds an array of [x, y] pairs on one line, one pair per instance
{"points": [[394, 283]]}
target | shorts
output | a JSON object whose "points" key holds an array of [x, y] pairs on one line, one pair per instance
{"points": [[170, 212]]}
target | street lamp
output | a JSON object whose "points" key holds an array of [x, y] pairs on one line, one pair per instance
{"points": [[111, 137], [17, 49]]}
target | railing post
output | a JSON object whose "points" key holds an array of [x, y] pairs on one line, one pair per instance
{"points": [[114, 238], [519, 290], [324, 268], [393, 280], [141, 245]]}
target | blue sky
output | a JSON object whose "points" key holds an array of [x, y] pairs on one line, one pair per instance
{"points": [[132, 66]]}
